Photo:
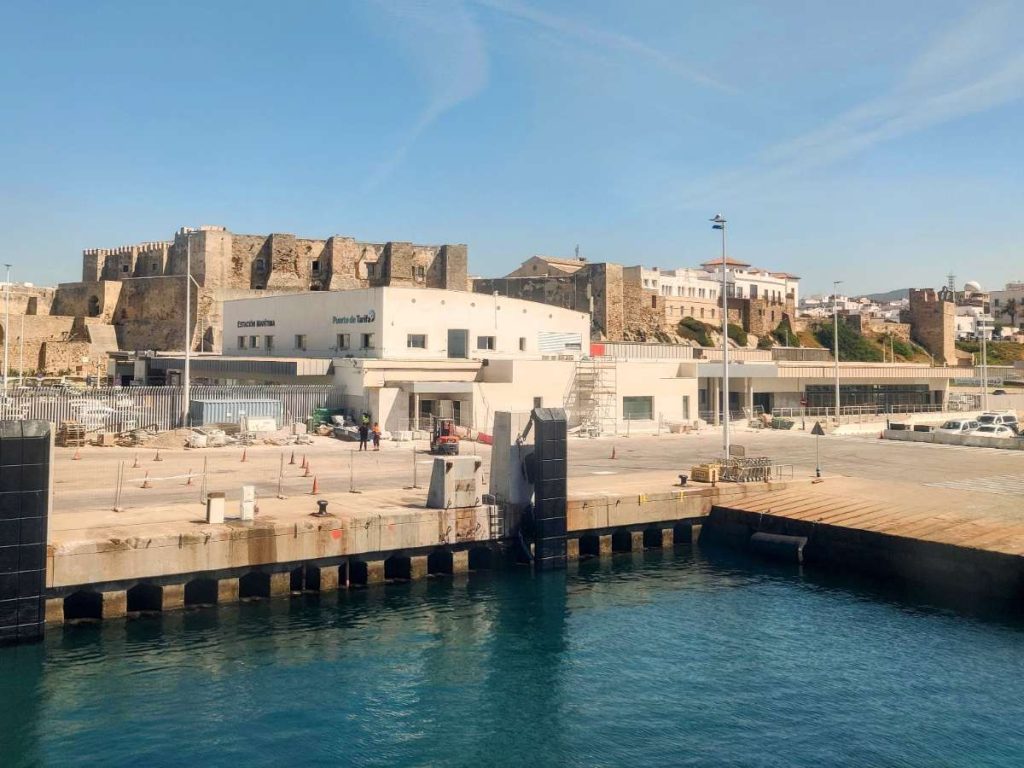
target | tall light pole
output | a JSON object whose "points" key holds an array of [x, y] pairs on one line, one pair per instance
{"points": [[7, 324], [718, 222], [983, 324], [835, 337], [187, 382]]}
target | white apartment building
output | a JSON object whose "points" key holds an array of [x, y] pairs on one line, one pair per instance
{"points": [[744, 281], [681, 283], [1007, 305]]}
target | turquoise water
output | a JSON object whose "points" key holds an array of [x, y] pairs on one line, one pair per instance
{"points": [[657, 659]]}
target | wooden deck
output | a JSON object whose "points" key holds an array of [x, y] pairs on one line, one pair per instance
{"points": [[985, 515]]}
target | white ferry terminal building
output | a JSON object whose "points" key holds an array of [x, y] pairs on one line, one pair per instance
{"points": [[404, 354]]}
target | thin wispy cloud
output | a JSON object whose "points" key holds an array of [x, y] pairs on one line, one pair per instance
{"points": [[603, 39], [450, 59], [974, 66]]}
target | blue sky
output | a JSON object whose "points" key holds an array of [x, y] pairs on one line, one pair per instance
{"points": [[879, 143]]}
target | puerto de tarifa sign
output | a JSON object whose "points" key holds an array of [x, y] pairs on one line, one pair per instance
{"points": [[369, 317]]}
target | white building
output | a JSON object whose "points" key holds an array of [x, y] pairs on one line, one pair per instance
{"points": [[406, 354], [1008, 304], [744, 281], [401, 324], [681, 283]]}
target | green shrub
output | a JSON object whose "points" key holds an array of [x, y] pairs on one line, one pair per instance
{"points": [[765, 342], [901, 348], [852, 346], [784, 335], [737, 334], [693, 329]]}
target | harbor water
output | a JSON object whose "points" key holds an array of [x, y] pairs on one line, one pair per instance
{"points": [[656, 659]]}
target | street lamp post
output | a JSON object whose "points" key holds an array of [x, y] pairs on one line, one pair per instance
{"points": [[7, 325], [984, 326], [835, 337], [186, 393], [718, 222]]}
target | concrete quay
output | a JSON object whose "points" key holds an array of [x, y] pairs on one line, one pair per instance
{"points": [[157, 552]]}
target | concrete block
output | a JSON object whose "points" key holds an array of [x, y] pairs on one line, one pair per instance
{"points": [[455, 482], [215, 508], [172, 597], [418, 567], [572, 549], [604, 546], [636, 541], [55, 610], [280, 583], [374, 571], [227, 591], [460, 561], [329, 575], [668, 538], [115, 604], [247, 505]]}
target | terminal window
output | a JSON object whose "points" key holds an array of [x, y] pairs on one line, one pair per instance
{"points": [[367, 341], [254, 342], [485, 342], [344, 341], [300, 341], [416, 341], [241, 342], [522, 343], [268, 343], [638, 408]]}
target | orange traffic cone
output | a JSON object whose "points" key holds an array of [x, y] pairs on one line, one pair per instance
{"points": [[77, 456], [613, 452], [145, 481], [135, 465], [305, 462], [316, 487], [157, 457], [308, 473], [189, 481], [292, 459], [245, 453]]}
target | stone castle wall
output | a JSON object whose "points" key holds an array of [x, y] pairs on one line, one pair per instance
{"points": [[932, 322], [140, 288]]}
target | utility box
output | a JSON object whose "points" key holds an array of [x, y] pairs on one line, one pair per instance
{"points": [[455, 482]]}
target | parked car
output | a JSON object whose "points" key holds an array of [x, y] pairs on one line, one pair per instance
{"points": [[994, 430], [1006, 419], [958, 427], [998, 391]]}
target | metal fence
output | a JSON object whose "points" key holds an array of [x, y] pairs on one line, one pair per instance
{"points": [[119, 409]]}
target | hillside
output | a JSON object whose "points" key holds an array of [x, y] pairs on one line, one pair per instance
{"points": [[896, 295]]}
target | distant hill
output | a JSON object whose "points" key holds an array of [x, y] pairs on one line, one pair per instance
{"points": [[899, 293]]}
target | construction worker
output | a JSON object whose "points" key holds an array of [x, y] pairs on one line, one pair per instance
{"points": [[364, 433], [376, 436]]}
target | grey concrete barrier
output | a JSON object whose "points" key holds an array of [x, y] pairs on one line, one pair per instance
{"points": [[941, 438]]}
